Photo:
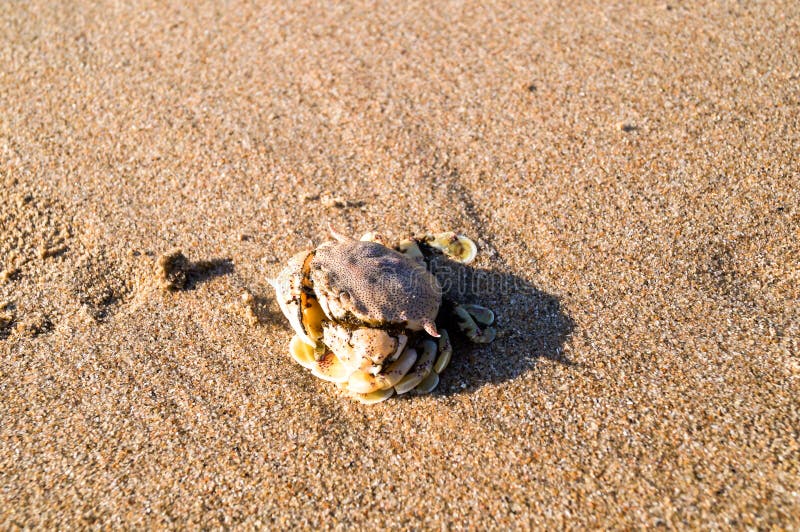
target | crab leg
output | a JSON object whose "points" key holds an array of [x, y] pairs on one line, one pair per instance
{"points": [[467, 324], [330, 368], [428, 384], [421, 369], [431, 380], [302, 353], [445, 352], [327, 367], [482, 315], [373, 397], [402, 340], [363, 382]]}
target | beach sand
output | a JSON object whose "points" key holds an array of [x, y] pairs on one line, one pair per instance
{"points": [[630, 173]]}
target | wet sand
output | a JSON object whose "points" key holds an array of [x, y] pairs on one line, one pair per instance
{"points": [[629, 172]]}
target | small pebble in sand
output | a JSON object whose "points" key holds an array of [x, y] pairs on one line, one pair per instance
{"points": [[246, 309], [45, 252], [247, 298], [249, 311], [329, 201], [6, 319], [627, 127], [34, 325], [8, 274], [24, 200], [171, 270]]}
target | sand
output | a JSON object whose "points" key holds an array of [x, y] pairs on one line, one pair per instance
{"points": [[630, 173]]}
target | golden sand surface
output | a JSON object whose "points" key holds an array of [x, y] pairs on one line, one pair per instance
{"points": [[629, 170]]}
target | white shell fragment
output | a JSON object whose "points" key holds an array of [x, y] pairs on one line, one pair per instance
{"points": [[364, 313], [457, 247]]}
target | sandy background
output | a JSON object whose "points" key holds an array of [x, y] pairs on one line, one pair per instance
{"points": [[630, 172]]}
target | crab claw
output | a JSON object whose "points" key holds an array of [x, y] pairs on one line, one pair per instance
{"points": [[295, 320], [337, 235], [288, 294], [430, 328]]}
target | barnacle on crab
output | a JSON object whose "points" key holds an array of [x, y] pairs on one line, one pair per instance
{"points": [[364, 313]]}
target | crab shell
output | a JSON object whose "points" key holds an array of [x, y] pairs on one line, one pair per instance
{"points": [[368, 283], [360, 299]]}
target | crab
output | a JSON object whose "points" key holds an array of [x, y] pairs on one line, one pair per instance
{"points": [[365, 312]]}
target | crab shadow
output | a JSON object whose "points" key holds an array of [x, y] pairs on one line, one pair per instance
{"points": [[531, 324], [265, 308], [201, 271]]}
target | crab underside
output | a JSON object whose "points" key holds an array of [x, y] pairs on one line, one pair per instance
{"points": [[365, 313]]}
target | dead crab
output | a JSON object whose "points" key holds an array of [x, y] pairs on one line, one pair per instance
{"points": [[364, 313]]}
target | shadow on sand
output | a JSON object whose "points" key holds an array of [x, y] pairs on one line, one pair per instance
{"points": [[530, 324], [204, 270], [176, 273]]}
